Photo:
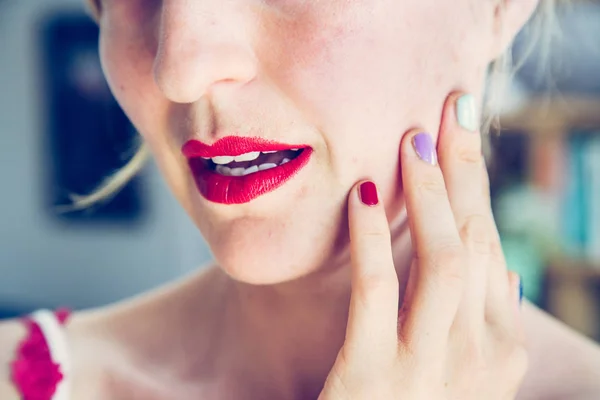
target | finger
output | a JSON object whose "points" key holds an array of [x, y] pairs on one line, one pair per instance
{"points": [[437, 245], [516, 289], [409, 293], [516, 301], [463, 167], [467, 182], [464, 170], [372, 324]]}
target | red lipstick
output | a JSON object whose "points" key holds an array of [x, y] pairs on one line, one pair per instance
{"points": [[222, 189]]}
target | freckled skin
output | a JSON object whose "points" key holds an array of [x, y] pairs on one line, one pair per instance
{"points": [[347, 78]]}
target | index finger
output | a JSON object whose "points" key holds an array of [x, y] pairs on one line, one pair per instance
{"points": [[373, 321]]}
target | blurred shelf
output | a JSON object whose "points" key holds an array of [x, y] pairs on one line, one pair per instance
{"points": [[572, 294], [554, 115], [566, 268]]}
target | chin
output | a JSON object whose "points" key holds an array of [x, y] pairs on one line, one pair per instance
{"points": [[268, 253]]}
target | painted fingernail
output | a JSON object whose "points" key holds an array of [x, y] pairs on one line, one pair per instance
{"points": [[424, 147], [368, 194], [466, 113], [520, 290]]}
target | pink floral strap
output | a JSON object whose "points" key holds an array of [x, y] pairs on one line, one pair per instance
{"points": [[35, 373]]}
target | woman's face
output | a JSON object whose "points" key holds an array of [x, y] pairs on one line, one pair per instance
{"points": [[343, 78]]}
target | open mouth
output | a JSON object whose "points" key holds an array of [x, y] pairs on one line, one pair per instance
{"points": [[250, 163], [236, 170]]}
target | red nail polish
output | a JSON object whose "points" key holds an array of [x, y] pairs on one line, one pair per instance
{"points": [[368, 194]]}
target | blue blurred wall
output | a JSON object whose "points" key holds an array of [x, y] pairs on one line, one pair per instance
{"points": [[43, 263]]}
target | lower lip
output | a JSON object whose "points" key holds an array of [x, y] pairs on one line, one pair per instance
{"points": [[243, 189]]}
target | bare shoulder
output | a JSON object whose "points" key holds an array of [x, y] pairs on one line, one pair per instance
{"points": [[563, 363], [11, 333], [134, 349], [125, 350]]}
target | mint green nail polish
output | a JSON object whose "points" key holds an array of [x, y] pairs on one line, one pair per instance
{"points": [[466, 113]]}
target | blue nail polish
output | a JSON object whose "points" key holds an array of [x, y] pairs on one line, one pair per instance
{"points": [[520, 290]]}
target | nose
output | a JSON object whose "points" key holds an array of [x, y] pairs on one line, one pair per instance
{"points": [[200, 48]]}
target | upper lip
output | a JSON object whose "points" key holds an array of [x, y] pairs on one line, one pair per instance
{"points": [[233, 146]]}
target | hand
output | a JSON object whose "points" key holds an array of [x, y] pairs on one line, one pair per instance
{"points": [[458, 335]]}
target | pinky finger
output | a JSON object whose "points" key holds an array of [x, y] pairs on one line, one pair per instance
{"points": [[516, 287]]}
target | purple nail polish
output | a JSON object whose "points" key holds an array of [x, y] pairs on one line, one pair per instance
{"points": [[424, 147]]}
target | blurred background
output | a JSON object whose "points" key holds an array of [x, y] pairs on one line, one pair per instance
{"points": [[61, 132]]}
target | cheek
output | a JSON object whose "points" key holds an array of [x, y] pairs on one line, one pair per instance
{"points": [[350, 77], [127, 59], [364, 82]]}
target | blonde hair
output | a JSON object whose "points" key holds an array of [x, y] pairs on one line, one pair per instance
{"points": [[542, 29], [112, 185]]}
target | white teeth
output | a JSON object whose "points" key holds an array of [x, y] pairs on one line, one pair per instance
{"points": [[223, 170], [226, 171], [250, 170], [247, 157], [237, 171], [266, 166], [221, 160]]}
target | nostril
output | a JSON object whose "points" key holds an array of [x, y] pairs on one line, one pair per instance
{"points": [[186, 74]]}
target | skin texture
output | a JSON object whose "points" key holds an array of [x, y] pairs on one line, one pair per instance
{"points": [[292, 71], [348, 78], [459, 334]]}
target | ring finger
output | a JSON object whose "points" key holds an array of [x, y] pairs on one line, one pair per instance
{"points": [[463, 166]]}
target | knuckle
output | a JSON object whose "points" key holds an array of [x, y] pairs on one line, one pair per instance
{"points": [[373, 245], [479, 235], [451, 259], [474, 363], [376, 235], [475, 357], [495, 250], [431, 185], [513, 278], [373, 283], [469, 154], [511, 358], [447, 263], [474, 228]]}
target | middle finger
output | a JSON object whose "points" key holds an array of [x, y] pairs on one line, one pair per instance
{"points": [[438, 276]]}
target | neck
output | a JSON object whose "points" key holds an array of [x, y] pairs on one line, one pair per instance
{"points": [[298, 327]]}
